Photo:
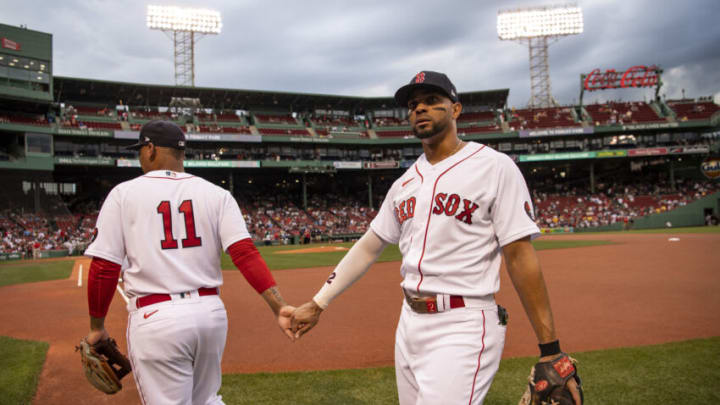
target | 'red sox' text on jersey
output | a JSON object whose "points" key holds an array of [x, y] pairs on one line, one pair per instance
{"points": [[450, 230]]}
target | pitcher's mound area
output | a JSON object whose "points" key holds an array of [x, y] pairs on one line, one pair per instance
{"points": [[319, 249]]}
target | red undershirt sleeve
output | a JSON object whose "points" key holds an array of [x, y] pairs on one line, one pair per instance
{"points": [[247, 259], [102, 281]]}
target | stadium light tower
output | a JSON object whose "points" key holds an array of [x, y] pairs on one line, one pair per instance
{"points": [[182, 25], [538, 27]]}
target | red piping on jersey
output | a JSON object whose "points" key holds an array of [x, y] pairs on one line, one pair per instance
{"points": [[472, 391], [432, 199], [422, 179], [169, 178], [408, 181]]}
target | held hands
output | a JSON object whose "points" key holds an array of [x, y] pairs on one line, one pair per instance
{"points": [[306, 316], [284, 321], [295, 322]]}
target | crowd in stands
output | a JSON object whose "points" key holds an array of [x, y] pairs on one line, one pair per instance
{"points": [[277, 219], [329, 126], [542, 118], [26, 234], [612, 203]]}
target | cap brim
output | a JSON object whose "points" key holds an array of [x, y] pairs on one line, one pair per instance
{"points": [[403, 93], [136, 146]]}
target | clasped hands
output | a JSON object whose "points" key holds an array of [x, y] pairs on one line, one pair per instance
{"points": [[296, 322]]}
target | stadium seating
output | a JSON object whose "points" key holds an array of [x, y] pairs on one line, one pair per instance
{"points": [[285, 132], [479, 129], [274, 119], [622, 113], [24, 120], [394, 134], [477, 116], [617, 204], [102, 125], [382, 122], [542, 118], [692, 110]]}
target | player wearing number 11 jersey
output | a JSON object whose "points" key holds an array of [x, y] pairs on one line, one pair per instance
{"points": [[169, 228]]}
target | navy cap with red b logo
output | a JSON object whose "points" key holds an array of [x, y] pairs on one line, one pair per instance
{"points": [[427, 78]]}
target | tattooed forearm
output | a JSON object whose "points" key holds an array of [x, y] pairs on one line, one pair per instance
{"points": [[274, 299]]}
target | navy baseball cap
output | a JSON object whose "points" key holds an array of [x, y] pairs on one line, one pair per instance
{"points": [[427, 78], [160, 133]]}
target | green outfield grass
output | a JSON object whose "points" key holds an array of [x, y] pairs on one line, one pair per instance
{"points": [[674, 373], [391, 254], [304, 260], [30, 272], [20, 365]]}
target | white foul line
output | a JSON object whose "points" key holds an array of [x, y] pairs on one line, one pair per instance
{"points": [[80, 277]]}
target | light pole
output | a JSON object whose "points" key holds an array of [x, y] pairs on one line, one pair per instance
{"points": [[538, 27], [182, 25]]}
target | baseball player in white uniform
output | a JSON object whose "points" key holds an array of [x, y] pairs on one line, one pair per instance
{"points": [[453, 213], [170, 227]]}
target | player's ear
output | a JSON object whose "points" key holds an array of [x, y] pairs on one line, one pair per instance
{"points": [[153, 151], [456, 110]]}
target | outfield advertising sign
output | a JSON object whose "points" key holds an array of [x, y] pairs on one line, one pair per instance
{"points": [[525, 133], [222, 163], [656, 125], [127, 163], [199, 137], [347, 165], [565, 229], [391, 164], [200, 163], [308, 139], [85, 132], [648, 152], [556, 156], [611, 153], [134, 135], [84, 161], [206, 137]]}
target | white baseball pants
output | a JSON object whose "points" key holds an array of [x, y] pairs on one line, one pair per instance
{"points": [[448, 357], [175, 348]]}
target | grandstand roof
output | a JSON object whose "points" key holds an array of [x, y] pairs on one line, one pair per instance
{"points": [[110, 93]]}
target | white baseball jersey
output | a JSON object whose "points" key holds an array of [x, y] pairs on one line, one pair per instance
{"points": [[451, 219], [171, 227]]}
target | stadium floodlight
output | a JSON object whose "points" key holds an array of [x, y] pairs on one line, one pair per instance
{"points": [[538, 26], [182, 25]]}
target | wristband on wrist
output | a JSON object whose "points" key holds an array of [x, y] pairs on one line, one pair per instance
{"points": [[549, 349]]}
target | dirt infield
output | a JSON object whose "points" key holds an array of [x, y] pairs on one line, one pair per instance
{"points": [[642, 290]]}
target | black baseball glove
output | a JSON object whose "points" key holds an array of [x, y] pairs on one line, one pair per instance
{"points": [[547, 383]]}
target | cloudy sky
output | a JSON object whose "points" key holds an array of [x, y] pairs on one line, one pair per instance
{"points": [[370, 48]]}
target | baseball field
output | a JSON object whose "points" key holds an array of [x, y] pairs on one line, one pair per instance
{"points": [[639, 310]]}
